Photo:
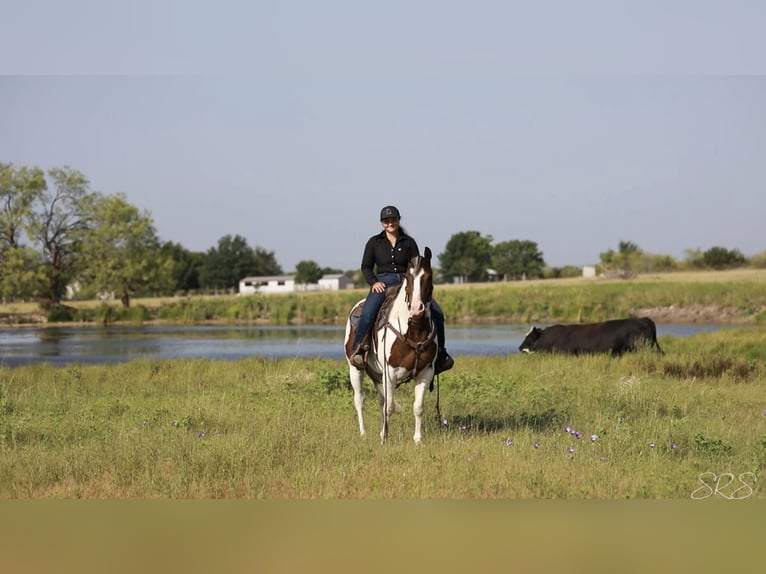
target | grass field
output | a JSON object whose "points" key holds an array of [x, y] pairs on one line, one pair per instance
{"points": [[691, 423]]}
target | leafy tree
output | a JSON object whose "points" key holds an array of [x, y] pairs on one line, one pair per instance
{"points": [[223, 266], [722, 258], [649, 263], [186, 266], [624, 261], [694, 258], [467, 255], [20, 276], [758, 260], [265, 263], [121, 252], [59, 219], [308, 272], [518, 259], [20, 188]]}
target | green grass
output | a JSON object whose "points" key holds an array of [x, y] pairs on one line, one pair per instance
{"points": [[717, 297], [286, 429]]}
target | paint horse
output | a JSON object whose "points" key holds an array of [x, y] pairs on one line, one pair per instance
{"points": [[403, 345]]}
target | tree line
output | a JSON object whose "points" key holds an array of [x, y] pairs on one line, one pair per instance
{"points": [[59, 239], [471, 257]]}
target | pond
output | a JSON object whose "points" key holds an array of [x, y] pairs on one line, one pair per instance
{"points": [[88, 344]]}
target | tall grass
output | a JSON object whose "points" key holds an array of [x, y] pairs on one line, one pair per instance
{"points": [[732, 296], [641, 426]]}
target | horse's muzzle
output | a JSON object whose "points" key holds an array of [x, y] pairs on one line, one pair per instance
{"points": [[416, 311]]}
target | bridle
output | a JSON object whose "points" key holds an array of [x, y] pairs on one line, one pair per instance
{"points": [[417, 346]]}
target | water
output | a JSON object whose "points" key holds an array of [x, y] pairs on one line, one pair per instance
{"points": [[65, 345]]}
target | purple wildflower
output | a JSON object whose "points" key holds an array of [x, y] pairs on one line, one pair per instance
{"points": [[652, 445], [445, 423], [672, 445], [567, 429], [463, 428], [536, 445], [201, 434], [578, 434], [602, 458], [509, 442], [571, 449], [593, 437]]}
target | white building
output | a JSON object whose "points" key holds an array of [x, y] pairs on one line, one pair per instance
{"points": [[267, 284], [335, 282], [287, 284]]}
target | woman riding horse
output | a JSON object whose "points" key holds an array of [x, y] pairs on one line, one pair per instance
{"points": [[384, 262], [404, 346]]}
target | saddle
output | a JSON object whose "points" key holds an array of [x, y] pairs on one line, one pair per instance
{"points": [[380, 320]]}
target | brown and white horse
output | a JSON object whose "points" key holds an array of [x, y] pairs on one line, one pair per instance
{"points": [[403, 345]]}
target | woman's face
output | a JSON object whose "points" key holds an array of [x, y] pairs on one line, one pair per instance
{"points": [[390, 224]]}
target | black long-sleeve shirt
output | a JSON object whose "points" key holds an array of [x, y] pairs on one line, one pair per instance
{"points": [[380, 257]]}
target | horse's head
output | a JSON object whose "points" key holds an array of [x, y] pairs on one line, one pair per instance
{"points": [[419, 284]]}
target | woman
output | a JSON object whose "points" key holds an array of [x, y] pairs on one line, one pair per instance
{"points": [[384, 262]]}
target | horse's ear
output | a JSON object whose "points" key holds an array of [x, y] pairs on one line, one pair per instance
{"points": [[427, 254]]}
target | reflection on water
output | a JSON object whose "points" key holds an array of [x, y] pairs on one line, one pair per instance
{"points": [[88, 344]]}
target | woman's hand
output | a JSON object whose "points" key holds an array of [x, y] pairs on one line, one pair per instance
{"points": [[378, 287]]}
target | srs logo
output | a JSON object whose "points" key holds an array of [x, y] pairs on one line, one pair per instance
{"points": [[725, 485]]}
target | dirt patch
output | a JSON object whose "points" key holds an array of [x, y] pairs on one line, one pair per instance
{"points": [[695, 314]]}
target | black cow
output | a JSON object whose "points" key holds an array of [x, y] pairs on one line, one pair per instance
{"points": [[617, 336]]}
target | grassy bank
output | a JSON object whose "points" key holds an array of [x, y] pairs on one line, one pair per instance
{"points": [[737, 296], [642, 426]]}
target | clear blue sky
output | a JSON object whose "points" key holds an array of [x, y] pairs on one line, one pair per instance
{"points": [[291, 123]]}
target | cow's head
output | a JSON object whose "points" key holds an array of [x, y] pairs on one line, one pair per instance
{"points": [[529, 345]]}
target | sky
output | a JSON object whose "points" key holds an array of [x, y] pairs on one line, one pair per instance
{"points": [[575, 125]]}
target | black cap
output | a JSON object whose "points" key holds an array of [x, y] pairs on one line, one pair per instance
{"points": [[389, 211]]}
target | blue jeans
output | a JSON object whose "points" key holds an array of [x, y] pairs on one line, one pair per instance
{"points": [[375, 300]]}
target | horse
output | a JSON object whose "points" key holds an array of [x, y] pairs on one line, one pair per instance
{"points": [[403, 345]]}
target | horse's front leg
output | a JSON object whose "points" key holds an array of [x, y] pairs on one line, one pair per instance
{"points": [[423, 380], [357, 379], [387, 406]]}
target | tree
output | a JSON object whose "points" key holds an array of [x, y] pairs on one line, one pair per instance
{"points": [[186, 266], [694, 258], [518, 259], [223, 266], [57, 223], [467, 255], [308, 272], [121, 253], [624, 261], [20, 189], [265, 263], [722, 258]]}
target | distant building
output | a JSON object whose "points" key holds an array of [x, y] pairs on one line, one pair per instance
{"points": [[267, 284], [589, 271], [335, 282], [287, 284]]}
